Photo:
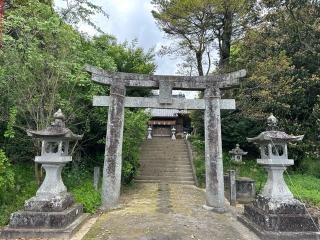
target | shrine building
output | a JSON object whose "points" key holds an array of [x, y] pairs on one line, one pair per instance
{"points": [[163, 120]]}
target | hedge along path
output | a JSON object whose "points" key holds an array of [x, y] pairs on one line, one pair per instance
{"points": [[152, 211]]}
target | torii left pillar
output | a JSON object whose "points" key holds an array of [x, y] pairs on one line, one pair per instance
{"points": [[113, 152]]}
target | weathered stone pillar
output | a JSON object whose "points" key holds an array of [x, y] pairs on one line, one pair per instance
{"points": [[233, 187], [213, 151], [96, 177], [113, 153]]}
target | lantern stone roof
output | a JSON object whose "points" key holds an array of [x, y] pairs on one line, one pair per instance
{"points": [[238, 151], [57, 129], [269, 136], [272, 134]]}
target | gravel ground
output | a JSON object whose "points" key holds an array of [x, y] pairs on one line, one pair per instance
{"points": [[166, 212]]}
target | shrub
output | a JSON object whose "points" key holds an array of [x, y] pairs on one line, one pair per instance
{"points": [[25, 187], [135, 128], [87, 195], [6, 174]]}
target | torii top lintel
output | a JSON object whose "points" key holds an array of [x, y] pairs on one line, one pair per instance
{"points": [[223, 81]]}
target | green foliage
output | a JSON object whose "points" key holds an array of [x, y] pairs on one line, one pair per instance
{"points": [[6, 175], [134, 134], [41, 70], [10, 133], [87, 195], [24, 188]]}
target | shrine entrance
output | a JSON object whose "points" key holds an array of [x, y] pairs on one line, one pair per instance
{"points": [[161, 131], [161, 128], [211, 104]]}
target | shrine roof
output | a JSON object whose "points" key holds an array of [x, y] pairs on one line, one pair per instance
{"points": [[159, 112]]}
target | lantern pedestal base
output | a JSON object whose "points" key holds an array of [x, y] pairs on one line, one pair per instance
{"points": [[46, 233], [54, 204], [279, 219], [42, 217]]}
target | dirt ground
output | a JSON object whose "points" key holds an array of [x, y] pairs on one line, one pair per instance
{"points": [[166, 212]]}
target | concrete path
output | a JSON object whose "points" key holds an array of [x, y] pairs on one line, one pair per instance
{"points": [[166, 212]]}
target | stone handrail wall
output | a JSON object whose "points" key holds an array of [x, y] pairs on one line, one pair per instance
{"points": [[191, 158]]}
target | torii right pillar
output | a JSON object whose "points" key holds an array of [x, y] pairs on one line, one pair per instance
{"points": [[213, 151]]}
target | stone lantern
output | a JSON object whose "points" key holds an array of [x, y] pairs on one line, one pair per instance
{"points": [[52, 212], [275, 212], [274, 158], [237, 153], [149, 132], [173, 131], [54, 155]]}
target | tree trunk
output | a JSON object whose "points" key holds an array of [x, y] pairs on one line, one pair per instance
{"points": [[1, 20], [226, 39], [199, 63]]}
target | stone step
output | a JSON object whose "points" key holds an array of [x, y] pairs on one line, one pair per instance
{"points": [[183, 175], [173, 175], [168, 143], [159, 156], [172, 146], [169, 178], [164, 160], [164, 153], [172, 182], [157, 172], [171, 165], [166, 169], [164, 149], [177, 161]]}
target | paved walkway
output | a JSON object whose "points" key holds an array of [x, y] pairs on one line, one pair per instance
{"points": [[166, 212]]}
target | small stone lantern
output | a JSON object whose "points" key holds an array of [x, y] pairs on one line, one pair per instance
{"points": [[274, 157], [54, 155], [52, 212], [149, 132], [275, 213], [237, 153], [173, 131]]}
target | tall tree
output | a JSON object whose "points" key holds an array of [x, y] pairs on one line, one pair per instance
{"points": [[281, 55], [199, 25], [1, 20]]}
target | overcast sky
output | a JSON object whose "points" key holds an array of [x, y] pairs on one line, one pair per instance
{"points": [[129, 20]]}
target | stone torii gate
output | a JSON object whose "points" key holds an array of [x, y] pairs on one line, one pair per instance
{"points": [[117, 101]]}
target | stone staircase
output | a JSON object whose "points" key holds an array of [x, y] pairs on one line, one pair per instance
{"points": [[165, 160]]}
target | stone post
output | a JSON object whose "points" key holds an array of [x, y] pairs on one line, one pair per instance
{"points": [[213, 151], [233, 187], [113, 153], [96, 176]]}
